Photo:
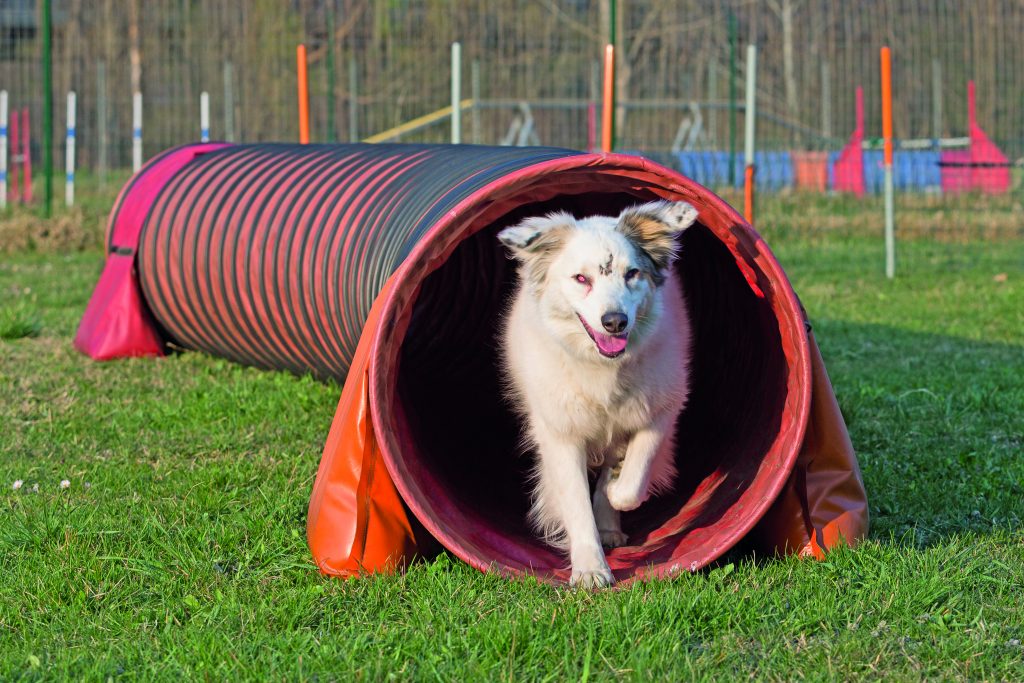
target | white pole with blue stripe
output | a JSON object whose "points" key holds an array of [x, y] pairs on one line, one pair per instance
{"points": [[137, 132], [204, 116], [69, 154], [3, 149]]}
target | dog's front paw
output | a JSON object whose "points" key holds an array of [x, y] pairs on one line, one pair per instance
{"points": [[599, 577], [625, 498], [612, 538]]}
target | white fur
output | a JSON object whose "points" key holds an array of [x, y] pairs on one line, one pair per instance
{"points": [[585, 410]]}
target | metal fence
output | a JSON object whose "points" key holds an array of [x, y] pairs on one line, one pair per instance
{"points": [[531, 72]]}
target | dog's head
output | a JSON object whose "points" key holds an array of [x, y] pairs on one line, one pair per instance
{"points": [[597, 279]]}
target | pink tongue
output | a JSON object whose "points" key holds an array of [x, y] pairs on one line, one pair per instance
{"points": [[609, 344]]}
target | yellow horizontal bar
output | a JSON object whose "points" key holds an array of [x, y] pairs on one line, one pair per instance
{"points": [[424, 120]]}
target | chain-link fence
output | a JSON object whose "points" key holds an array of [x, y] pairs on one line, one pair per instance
{"points": [[531, 75]]}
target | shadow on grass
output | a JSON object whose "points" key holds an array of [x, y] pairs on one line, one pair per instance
{"points": [[935, 422]]}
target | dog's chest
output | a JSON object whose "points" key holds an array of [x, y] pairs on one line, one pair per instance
{"points": [[605, 406]]}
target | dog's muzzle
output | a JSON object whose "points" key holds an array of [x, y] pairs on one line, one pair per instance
{"points": [[608, 345]]}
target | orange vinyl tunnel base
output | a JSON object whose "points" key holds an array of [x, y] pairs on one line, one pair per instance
{"points": [[357, 522]]}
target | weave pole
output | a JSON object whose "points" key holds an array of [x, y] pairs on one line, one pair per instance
{"points": [[3, 149], [608, 106], [890, 231], [136, 132], [456, 93], [69, 153], [204, 116], [750, 120], [301, 67]]}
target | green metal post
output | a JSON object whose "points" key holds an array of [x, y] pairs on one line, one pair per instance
{"points": [[732, 99], [47, 110], [331, 135], [353, 100], [101, 121], [475, 86]]}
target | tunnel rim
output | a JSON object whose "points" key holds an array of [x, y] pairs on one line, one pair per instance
{"points": [[437, 245]]}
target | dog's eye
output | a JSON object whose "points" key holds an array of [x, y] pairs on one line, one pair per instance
{"points": [[580, 278], [631, 273]]}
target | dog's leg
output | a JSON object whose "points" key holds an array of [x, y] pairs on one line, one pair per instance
{"points": [[609, 525], [564, 494], [634, 483]]}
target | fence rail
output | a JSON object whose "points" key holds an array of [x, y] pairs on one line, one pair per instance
{"points": [[531, 71]]}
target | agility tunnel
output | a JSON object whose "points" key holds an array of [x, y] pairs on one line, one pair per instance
{"points": [[379, 266]]}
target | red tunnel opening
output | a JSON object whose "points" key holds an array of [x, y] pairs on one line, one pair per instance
{"points": [[451, 441]]}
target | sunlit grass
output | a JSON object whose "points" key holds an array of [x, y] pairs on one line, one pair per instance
{"points": [[178, 550]]}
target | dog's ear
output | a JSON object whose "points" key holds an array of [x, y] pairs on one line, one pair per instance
{"points": [[656, 227], [537, 235]]}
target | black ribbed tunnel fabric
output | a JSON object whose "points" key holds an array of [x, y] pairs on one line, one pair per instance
{"points": [[272, 254]]}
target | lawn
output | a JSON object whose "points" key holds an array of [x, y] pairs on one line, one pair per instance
{"points": [[177, 549]]}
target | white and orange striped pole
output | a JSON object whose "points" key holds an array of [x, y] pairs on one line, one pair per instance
{"points": [[890, 229], [750, 119]]}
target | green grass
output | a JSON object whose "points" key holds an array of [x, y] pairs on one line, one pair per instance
{"points": [[178, 550], [18, 319]]}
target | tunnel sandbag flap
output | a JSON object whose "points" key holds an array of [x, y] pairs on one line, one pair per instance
{"points": [[357, 523], [117, 322], [824, 503], [379, 266]]}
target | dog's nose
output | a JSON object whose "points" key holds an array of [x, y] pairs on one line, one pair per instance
{"points": [[614, 322]]}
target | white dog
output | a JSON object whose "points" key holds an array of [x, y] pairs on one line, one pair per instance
{"points": [[595, 354]]}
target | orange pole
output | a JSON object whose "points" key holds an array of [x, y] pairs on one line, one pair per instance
{"points": [[608, 109], [303, 95], [748, 194], [887, 105]]}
